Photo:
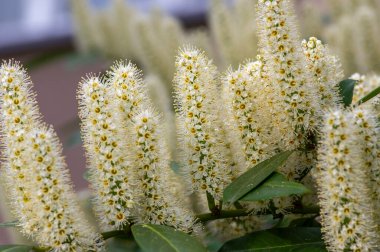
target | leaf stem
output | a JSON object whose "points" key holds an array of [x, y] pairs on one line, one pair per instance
{"points": [[222, 215], [126, 232]]}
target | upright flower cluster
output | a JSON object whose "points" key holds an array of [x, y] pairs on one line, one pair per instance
{"points": [[19, 114], [38, 182], [110, 173], [279, 44], [159, 202], [345, 194], [327, 73], [244, 94], [196, 92], [368, 134]]}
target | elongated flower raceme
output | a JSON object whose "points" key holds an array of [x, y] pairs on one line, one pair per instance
{"points": [[110, 173], [368, 135], [195, 90], [37, 180], [327, 74], [347, 208], [62, 225], [279, 46], [242, 96], [158, 203], [19, 114]]}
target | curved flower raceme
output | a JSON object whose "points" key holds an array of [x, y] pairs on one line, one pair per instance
{"points": [[62, 225], [19, 114], [37, 180], [279, 46], [327, 73], [195, 93], [347, 208], [110, 172], [159, 202]]}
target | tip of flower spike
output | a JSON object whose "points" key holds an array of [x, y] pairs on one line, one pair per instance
{"points": [[124, 71], [12, 73]]}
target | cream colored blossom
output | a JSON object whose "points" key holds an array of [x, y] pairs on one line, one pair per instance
{"points": [[110, 171], [159, 203], [368, 135], [279, 46], [347, 208], [127, 87], [327, 73], [36, 177], [195, 94], [61, 224]]}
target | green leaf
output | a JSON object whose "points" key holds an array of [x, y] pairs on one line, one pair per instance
{"points": [[346, 90], [274, 187], [16, 248], [156, 238], [369, 96], [296, 220], [299, 239], [8, 224], [253, 177]]}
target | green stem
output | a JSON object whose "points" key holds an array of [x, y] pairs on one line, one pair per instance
{"points": [[222, 215], [126, 232], [211, 202], [369, 96]]}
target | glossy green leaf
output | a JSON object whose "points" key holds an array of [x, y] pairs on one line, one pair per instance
{"points": [[8, 224], [369, 96], [16, 248], [156, 238], [253, 177], [273, 187], [299, 239], [346, 90]]}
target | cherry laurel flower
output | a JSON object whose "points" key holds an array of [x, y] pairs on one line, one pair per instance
{"points": [[327, 73], [159, 202], [347, 208], [62, 225], [37, 180], [279, 46], [110, 172], [128, 88], [241, 93], [196, 91]]}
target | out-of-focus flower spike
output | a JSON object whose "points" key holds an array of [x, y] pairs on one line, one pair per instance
{"points": [[110, 174]]}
